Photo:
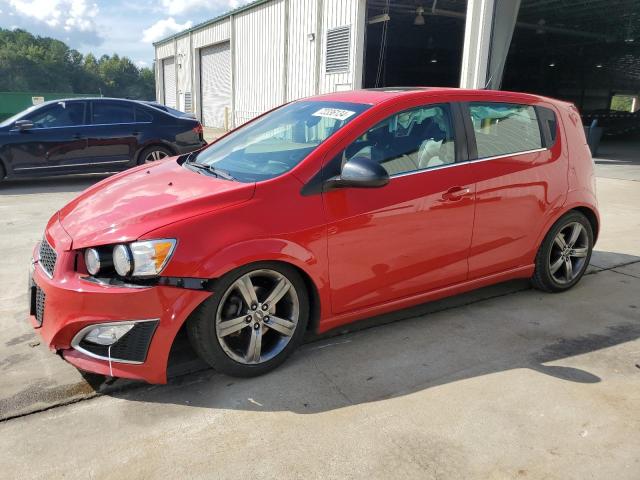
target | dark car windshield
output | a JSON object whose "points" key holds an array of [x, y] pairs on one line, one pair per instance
{"points": [[280, 140], [19, 115]]}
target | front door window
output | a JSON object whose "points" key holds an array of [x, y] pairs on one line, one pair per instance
{"points": [[409, 141]]}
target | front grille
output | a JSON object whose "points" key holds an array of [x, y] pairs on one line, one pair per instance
{"points": [[40, 299], [132, 347], [48, 257]]}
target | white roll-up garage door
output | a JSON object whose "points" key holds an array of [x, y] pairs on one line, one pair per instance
{"points": [[169, 79], [215, 84]]}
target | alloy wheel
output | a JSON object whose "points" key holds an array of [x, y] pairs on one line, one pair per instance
{"points": [[569, 253], [257, 316], [155, 155]]}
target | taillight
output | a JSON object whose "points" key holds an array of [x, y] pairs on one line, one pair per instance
{"points": [[198, 129]]}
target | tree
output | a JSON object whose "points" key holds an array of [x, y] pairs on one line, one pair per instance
{"points": [[33, 63]]}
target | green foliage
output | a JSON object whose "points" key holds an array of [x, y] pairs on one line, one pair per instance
{"points": [[31, 63]]}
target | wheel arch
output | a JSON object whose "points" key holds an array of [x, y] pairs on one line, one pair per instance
{"points": [[307, 276], [592, 217], [588, 211]]}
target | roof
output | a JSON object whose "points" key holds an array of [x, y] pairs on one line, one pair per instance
{"points": [[228, 14], [375, 96]]}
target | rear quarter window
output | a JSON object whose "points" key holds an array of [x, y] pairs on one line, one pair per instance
{"points": [[504, 128], [549, 125], [142, 116]]}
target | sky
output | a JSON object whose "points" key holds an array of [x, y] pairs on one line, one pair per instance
{"points": [[125, 27]]}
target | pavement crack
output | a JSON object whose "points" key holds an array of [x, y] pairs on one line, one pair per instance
{"points": [[333, 384], [625, 273]]}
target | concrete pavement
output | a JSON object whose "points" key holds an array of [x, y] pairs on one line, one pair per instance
{"points": [[504, 382]]}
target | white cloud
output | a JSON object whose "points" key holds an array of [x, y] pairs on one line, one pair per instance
{"points": [[163, 28], [142, 64], [179, 7], [71, 15]]}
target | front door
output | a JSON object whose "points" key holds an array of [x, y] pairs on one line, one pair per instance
{"points": [[54, 144], [412, 235]]}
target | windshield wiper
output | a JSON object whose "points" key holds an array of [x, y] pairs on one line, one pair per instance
{"points": [[211, 169]]}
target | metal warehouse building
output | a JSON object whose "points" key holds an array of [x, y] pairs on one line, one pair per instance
{"points": [[236, 66]]}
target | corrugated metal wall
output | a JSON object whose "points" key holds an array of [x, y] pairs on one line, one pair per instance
{"points": [[216, 33], [340, 13], [274, 58], [259, 40], [302, 67]]}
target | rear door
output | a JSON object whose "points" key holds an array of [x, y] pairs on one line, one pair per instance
{"points": [[112, 137], [521, 178], [55, 143]]}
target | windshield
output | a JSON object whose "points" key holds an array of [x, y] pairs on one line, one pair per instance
{"points": [[279, 141], [17, 116]]}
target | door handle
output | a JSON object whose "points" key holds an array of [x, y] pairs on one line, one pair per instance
{"points": [[456, 193]]}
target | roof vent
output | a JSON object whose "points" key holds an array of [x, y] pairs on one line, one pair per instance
{"points": [[338, 50]]}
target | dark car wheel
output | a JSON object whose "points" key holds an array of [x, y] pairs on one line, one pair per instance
{"points": [[255, 319], [153, 154], [564, 255]]}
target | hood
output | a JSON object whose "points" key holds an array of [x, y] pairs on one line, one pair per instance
{"points": [[124, 207]]}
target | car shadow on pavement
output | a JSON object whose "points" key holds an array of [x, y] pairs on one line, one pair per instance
{"points": [[512, 328], [69, 184]]}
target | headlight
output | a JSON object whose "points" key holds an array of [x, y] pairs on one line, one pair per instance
{"points": [[122, 260], [92, 260], [143, 259]]}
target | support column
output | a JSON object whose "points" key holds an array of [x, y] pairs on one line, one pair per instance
{"points": [[477, 43], [487, 38], [504, 22]]}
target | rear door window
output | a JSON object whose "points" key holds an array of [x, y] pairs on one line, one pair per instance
{"points": [[504, 128], [62, 114], [105, 113]]}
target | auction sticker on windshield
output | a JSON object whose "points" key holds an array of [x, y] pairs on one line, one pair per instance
{"points": [[334, 113]]}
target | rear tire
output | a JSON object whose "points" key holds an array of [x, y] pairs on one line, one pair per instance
{"points": [[564, 254], [265, 304], [153, 153]]}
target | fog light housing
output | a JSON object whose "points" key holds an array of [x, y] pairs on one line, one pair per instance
{"points": [[107, 334]]}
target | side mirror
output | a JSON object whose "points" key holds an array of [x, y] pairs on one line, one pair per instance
{"points": [[24, 125], [359, 172]]}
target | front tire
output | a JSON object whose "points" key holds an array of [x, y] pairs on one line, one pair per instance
{"points": [[255, 319], [564, 254]]}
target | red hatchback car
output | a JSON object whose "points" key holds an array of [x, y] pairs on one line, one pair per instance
{"points": [[316, 214]]}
